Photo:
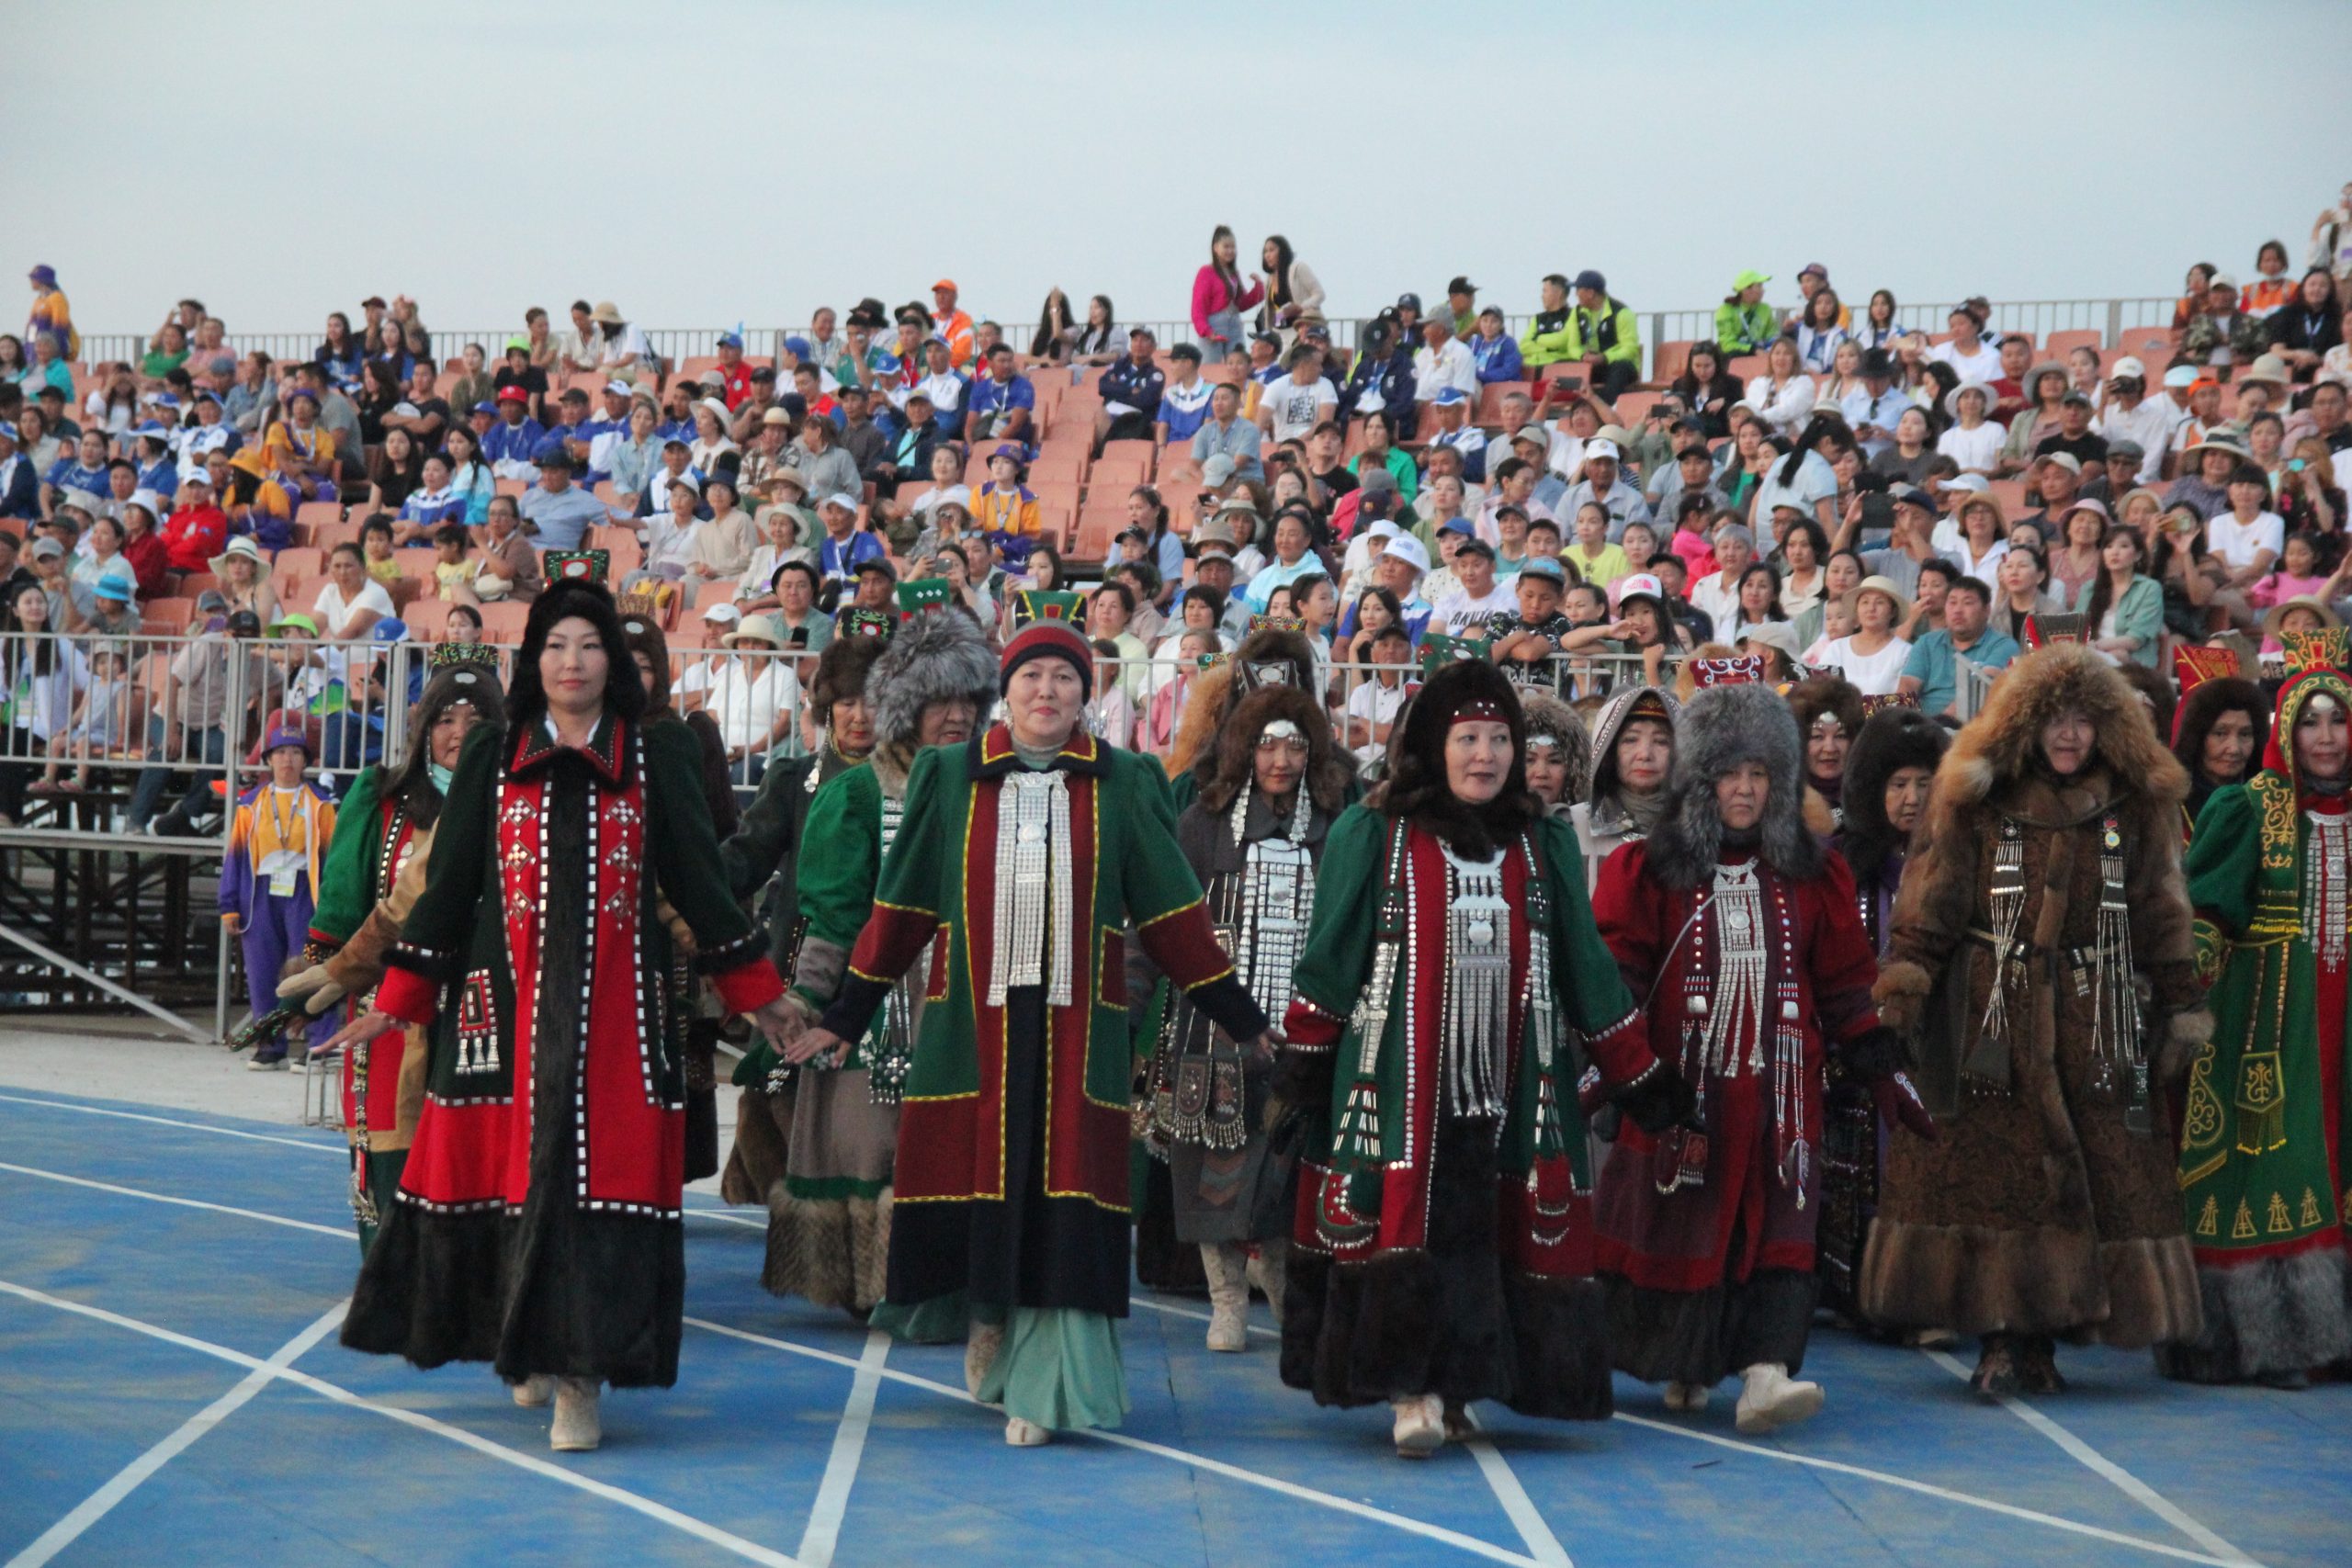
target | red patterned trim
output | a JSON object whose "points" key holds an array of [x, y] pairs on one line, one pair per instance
{"points": [[748, 987], [407, 996], [1306, 1027]]}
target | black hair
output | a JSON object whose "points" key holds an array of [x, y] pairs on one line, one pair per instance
{"points": [[1159, 511], [1127, 595], [1966, 584], [1950, 571], [2102, 597], [623, 694], [1823, 428], [1202, 593], [1772, 575], [412, 783]]}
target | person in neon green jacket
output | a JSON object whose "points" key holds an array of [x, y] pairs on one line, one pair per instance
{"points": [[1744, 324], [1546, 339], [1602, 333]]}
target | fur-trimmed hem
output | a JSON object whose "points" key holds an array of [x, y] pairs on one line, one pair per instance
{"points": [[2267, 1316], [762, 1135], [832, 1252], [1703, 1337], [2185, 1035], [1974, 1280]]}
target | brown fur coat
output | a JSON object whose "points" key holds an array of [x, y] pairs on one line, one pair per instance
{"points": [[2038, 1212]]}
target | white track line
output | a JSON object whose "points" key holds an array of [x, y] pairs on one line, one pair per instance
{"points": [[725, 1218], [98, 1503], [339, 1234], [170, 1121], [1541, 1544], [2099, 1464], [2233, 1558], [1926, 1490], [823, 1536], [686, 1523], [1180, 1456]]}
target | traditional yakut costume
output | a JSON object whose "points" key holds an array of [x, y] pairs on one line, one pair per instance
{"points": [[1746, 940], [2262, 1169], [2043, 891], [1443, 1246]]}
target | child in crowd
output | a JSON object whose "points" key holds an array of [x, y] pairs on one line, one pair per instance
{"points": [[1111, 716], [102, 718], [1524, 640], [1837, 621], [453, 574], [376, 548], [269, 879]]}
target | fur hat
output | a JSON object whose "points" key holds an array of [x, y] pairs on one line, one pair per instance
{"points": [[1264, 657], [1415, 787], [934, 658], [2193, 721], [1632, 703], [1548, 715], [624, 693], [1722, 727], [1808, 700], [1328, 776], [842, 671], [2005, 738], [1892, 740]]}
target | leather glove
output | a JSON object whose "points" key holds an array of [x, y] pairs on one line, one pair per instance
{"points": [[1898, 1100], [1660, 1098]]}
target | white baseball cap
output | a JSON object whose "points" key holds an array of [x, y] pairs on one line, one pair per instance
{"points": [[1597, 447], [1407, 549], [722, 613]]}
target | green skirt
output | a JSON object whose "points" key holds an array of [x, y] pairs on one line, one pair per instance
{"points": [[1059, 1368], [383, 1185]]}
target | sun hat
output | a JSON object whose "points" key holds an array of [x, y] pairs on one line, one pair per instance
{"points": [[1952, 399], [2320, 608], [1885, 585], [241, 547], [1411, 551]]}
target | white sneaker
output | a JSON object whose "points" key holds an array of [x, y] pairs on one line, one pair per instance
{"points": [[1024, 1434], [576, 1430], [1772, 1399], [1419, 1430], [535, 1391], [1687, 1395]]}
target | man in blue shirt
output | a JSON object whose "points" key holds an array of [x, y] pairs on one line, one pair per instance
{"points": [[1225, 435], [1494, 351], [845, 546], [19, 485], [612, 419], [1131, 390], [1932, 672], [1002, 405], [81, 475], [1184, 402], [558, 513], [569, 432], [509, 447], [1454, 430]]}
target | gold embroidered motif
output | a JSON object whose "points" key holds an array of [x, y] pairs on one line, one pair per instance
{"points": [[2311, 1217], [2278, 803], [2209, 1218], [2242, 1228], [2202, 1117], [2280, 1221]]}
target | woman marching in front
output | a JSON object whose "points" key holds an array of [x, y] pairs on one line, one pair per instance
{"points": [[829, 1231], [1744, 933], [1887, 777], [1443, 1246], [1024, 855], [1252, 838], [2046, 879], [2262, 1152], [537, 1224], [1633, 752]]}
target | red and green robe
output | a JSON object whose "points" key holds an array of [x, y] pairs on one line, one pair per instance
{"points": [[536, 1223], [1011, 1180], [2262, 1170], [1432, 1254], [373, 839]]}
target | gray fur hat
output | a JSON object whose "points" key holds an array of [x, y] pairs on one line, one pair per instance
{"points": [[934, 658], [1719, 728]]}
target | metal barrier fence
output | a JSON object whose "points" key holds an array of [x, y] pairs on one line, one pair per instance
{"points": [[122, 728], [2111, 318]]}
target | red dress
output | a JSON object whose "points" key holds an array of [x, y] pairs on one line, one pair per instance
{"points": [[1717, 1272]]}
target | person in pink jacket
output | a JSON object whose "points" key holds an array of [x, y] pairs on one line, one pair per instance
{"points": [[1219, 299]]}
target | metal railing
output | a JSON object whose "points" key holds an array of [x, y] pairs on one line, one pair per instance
{"points": [[2110, 317]]}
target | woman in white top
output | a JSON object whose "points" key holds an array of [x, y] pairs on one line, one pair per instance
{"points": [[1976, 537], [1872, 658], [348, 608], [1819, 333], [710, 435], [753, 697], [1974, 442], [946, 482], [779, 542], [1716, 595], [2247, 538], [1784, 396], [1845, 374]]}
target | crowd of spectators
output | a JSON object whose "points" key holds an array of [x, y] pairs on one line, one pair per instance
{"points": [[1818, 483]]}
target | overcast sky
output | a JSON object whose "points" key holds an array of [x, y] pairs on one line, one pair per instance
{"points": [[747, 160]]}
